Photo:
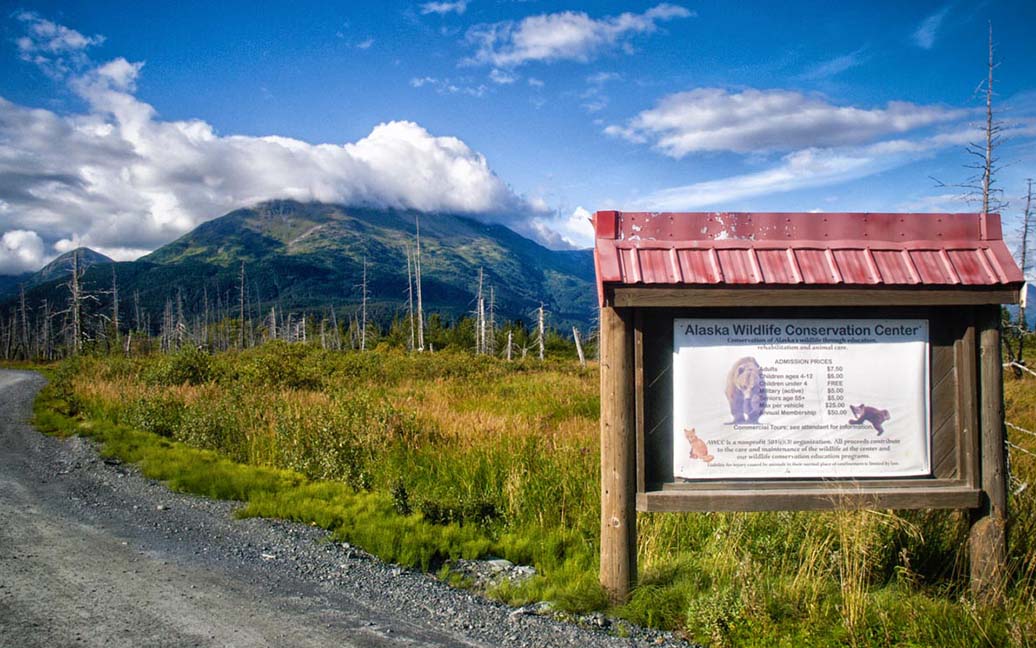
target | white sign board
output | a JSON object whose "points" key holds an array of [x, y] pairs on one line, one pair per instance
{"points": [[800, 398]]}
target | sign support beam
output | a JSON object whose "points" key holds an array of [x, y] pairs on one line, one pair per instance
{"points": [[988, 537], [618, 455]]}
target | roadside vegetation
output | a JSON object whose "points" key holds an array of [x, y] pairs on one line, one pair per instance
{"points": [[426, 458]]}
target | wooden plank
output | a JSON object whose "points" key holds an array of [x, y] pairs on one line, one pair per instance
{"points": [[638, 391], [988, 536], [807, 484], [618, 455], [944, 451], [944, 401], [651, 296], [915, 497], [944, 329], [967, 406]]}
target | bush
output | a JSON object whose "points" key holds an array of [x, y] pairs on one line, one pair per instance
{"points": [[190, 366]]}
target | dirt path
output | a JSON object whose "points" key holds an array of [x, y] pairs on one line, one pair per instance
{"points": [[93, 554]]}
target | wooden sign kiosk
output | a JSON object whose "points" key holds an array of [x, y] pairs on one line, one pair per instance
{"points": [[859, 303]]}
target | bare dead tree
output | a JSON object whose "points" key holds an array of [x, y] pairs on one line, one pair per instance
{"points": [[410, 300], [181, 322], [491, 339], [420, 304], [992, 131], [1021, 327], [115, 307], [1023, 253], [137, 321], [363, 308], [336, 334], [981, 186], [168, 323], [23, 317], [46, 346], [75, 304], [541, 331], [579, 347], [480, 318], [241, 310]]}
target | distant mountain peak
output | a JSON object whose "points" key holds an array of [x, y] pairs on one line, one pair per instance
{"points": [[62, 265]]}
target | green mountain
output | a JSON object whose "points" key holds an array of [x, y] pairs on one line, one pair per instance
{"points": [[310, 256]]}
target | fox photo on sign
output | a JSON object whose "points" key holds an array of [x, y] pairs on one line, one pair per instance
{"points": [[803, 398]]}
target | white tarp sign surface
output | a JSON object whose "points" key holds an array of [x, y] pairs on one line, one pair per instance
{"points": [[805, 398]]}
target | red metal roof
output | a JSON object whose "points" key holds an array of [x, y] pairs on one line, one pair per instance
{"points": [[796, 249]]}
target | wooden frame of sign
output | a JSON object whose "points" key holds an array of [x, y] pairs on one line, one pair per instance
{"points": [[967, 459]]}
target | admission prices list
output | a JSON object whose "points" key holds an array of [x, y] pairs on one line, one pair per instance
{"points": [[800, 398]]}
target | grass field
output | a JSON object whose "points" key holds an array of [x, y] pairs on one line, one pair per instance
{"points": [[425, 459]]}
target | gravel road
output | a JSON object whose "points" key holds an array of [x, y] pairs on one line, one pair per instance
{"points": [[94, 554]]}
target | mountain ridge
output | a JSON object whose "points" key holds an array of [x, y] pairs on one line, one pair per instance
{"points": [[310, 256]]}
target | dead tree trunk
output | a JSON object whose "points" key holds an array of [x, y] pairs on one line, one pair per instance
{"points": [[579, 347], [410, 300], [1023, 325], [76, 305], [241, 310], [542, 330], [363, 309], [480, 322], [115, 308], [987, 167], [491, 334], [23, 316], [420, 303]]}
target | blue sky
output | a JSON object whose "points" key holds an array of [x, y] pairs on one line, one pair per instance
{"points": [[124, 125]]}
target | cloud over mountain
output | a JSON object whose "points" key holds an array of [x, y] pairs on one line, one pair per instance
{"points": [[119, 178]]}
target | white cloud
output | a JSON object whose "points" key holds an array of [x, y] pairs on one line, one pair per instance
{"points": [[534, 82], [501, 77], [595, 103], [802, 169], [446, 86], [946, 202], [601, 78], [928, 30], [567, 35], [806, 168], [560, 230], [443, 8], [714, 119], [20, 251], [118, 178], [56, 49], [835, 66], [365, 44]]}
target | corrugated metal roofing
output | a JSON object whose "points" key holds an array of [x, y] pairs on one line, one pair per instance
{"points": [[795, 249]]}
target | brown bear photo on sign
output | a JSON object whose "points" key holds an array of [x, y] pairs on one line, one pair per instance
{"points": [[746, 391]]}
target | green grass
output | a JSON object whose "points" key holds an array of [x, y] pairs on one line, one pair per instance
{"points": [[425, 459]]}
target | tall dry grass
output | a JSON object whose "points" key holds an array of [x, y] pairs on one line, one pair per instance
{"points": [[511, 451]]}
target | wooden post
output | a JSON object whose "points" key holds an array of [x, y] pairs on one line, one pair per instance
{"points": [[579, 347], [988, 538], [618, 474]]}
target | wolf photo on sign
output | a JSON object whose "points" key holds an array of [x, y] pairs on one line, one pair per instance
{"points": [[800, 398]]}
